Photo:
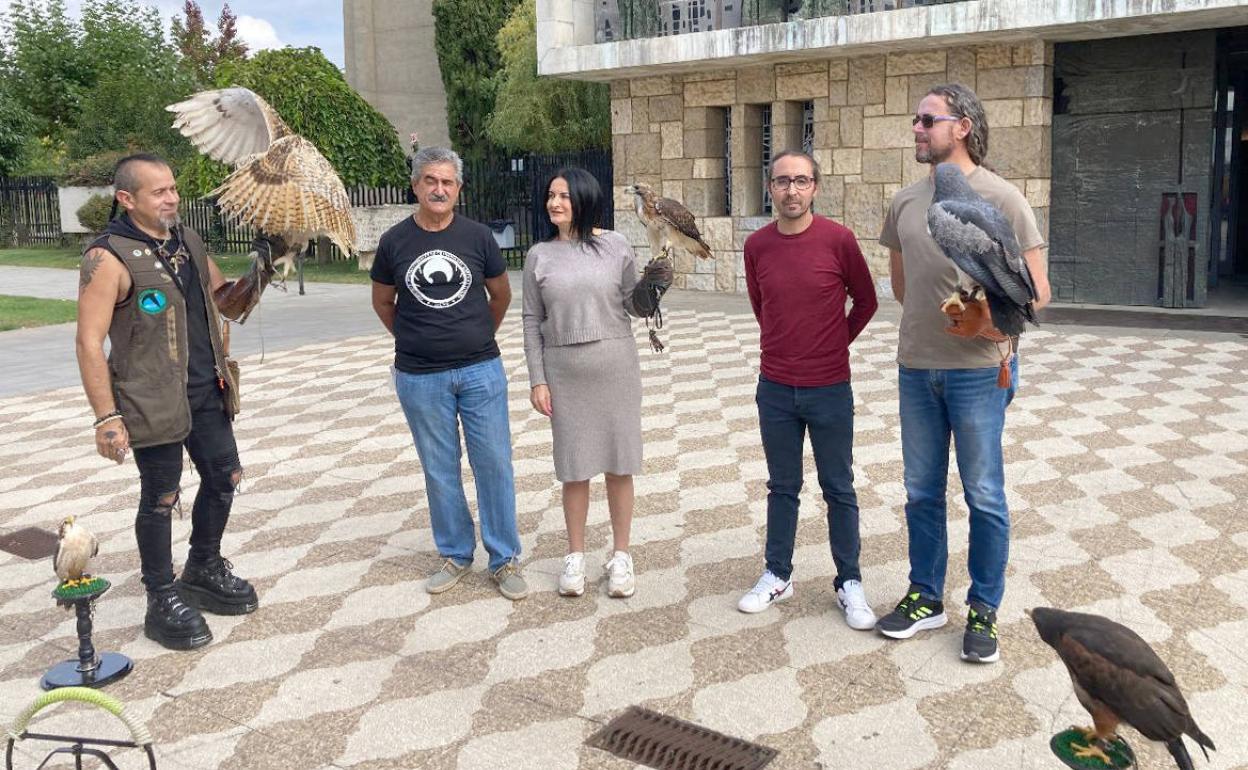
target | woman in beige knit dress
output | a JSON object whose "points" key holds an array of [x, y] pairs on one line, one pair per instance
{"points": [[580, 289]]}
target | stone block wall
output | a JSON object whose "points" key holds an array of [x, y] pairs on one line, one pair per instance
{"points": [[669, 131]]}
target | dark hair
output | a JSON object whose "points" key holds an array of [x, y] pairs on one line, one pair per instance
{"points": [[814, 164], [964, 103], [124, 176], [588, 204]]}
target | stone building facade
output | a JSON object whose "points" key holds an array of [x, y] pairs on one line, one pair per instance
{"points": [[685, 133]]}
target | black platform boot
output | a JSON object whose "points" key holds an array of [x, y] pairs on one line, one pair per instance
{"points": [[172, 623], [213, 587]]}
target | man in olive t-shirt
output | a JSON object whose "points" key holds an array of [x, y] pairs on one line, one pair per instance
{"points": [[948, 384]]}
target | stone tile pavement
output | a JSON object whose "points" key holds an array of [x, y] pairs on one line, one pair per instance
{"points": [[1127, 458]]}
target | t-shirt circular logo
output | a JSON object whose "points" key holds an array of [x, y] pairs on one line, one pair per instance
{"points": [[434, 269], [152, 301]]}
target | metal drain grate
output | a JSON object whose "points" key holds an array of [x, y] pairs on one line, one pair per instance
{"points": [[667, 743], [30, 543]]}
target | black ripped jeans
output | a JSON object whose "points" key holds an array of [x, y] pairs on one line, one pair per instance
{"points": [[215, 455]]}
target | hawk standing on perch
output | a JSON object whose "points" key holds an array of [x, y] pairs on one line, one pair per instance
{"points": [[1118, 678], [281, 186]]}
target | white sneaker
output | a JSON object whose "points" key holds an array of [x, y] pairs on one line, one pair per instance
{"points": [[620, 582], [767, 591], [853, 601], [572, 581]]}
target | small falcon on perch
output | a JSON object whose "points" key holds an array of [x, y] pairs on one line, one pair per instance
{"points": [[75, 547], [1119, 679], [281, 186]]}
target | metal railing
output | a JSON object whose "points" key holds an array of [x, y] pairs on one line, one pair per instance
{"points": [[628, 19]]}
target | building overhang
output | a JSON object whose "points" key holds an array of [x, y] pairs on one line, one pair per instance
{"points": [[971, 22]]}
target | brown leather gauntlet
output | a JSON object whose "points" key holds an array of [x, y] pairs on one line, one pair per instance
{"points": [[974, 321], [236, 299]]}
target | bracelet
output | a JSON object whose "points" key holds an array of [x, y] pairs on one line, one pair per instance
{"points": [[114, 415]]}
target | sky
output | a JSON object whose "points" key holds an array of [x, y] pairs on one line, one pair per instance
{"points": [[266, 24]]}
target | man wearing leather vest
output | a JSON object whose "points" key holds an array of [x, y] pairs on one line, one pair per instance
{"points": [[146, 285]]}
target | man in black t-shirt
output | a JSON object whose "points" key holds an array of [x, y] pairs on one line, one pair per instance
{"points": [[440, 287]]}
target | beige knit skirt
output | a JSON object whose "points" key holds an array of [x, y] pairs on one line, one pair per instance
{"points": [[595, 400]]}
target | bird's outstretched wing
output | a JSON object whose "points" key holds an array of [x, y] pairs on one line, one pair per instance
{"points": [[974, 227], [289, 189], [229, 124]]}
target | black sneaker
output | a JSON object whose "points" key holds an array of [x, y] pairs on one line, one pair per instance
{"points": [[173, 624], [979, 642], [912, 614], [212, 586]]}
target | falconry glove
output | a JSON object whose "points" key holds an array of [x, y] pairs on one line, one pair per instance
{"points": [[974, 319], [656, 279], [236, 299]]}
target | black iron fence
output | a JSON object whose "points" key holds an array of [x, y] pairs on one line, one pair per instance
{"points": [[505, 192], [29, 211]]}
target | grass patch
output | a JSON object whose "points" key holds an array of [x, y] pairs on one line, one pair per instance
{"points": [[27, 312], [232, 265]]}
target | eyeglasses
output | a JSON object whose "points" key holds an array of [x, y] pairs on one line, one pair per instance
{"points": [[929, 120], [800, 182]]}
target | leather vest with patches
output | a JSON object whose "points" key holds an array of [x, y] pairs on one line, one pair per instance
{"points": [[150, 353]]}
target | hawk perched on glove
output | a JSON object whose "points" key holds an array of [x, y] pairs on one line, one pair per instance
{"points": [[1118, 678], [667, 221], [980, 241], [281, 186]]}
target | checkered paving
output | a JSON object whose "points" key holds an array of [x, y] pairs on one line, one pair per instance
{"points": [[1127, 474]]}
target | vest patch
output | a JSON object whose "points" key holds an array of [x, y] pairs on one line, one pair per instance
{"points": [[153, 301]]}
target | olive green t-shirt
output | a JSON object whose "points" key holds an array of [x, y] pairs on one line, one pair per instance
{"points": [[930, 276]]}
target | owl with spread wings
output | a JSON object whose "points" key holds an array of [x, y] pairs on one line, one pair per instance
{"points": [[281, 186]]}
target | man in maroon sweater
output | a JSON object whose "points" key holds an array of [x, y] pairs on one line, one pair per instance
{"points": [[800, 270]]}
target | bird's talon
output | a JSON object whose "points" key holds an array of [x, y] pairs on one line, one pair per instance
{"points": [[1091, 750], [954, 299]]}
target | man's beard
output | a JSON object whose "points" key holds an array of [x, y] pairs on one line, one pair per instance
{"points": [[169, 222], [924, 153], [784, 210]]}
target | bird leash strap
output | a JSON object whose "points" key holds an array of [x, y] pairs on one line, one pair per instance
{"points": [[654, 321]]}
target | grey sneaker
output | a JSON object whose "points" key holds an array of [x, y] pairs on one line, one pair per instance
{"points": [[446, 577], [510, 582]]}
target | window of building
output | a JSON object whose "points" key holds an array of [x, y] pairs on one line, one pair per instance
{"points": [[765, 149]]}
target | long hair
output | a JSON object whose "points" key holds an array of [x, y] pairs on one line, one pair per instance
{"points": [[588, 204], [965, 104]]}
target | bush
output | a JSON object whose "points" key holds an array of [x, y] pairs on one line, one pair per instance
{"points": [[93, 171], [94, 213]]}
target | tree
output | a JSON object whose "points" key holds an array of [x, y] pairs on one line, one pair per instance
{"points": [[137, 73], [465, 34], [15, 131], [48, 72], [537, 114], [228, 47], [314, 99], [191, 36], [201, 54]]}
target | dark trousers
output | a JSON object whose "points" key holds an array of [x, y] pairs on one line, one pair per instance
{"points": [[215, 455], [785, 414]]}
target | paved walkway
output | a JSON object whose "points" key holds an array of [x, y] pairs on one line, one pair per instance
{"points": [[1127, 470]]}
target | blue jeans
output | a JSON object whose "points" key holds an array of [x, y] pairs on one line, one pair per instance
{"points": [[967, 405], [435, 405], [785, 413]]}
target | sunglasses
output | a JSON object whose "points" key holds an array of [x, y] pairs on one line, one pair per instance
{"points": [[929, 120]]}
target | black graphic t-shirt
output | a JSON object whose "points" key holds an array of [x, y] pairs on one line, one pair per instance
{"points": [[443, 319]]}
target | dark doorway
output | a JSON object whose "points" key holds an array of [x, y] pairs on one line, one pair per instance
{"points": [[1132, 134], [1228, 248]]}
